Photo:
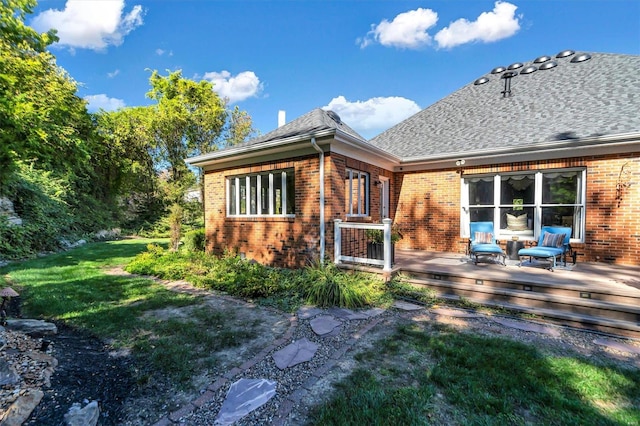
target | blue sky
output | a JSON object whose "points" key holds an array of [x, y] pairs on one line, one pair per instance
{"points": [[373, 62]]}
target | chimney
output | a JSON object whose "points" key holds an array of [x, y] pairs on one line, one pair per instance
{"points": [[281, 118]]}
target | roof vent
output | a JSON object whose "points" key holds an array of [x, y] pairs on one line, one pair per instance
{"points": [[335, 117], [515, 66], [541, 59], [498, 70], [507, 76], [481, 80], [581, 58], [565, 53], [548, 65], [528, 70]]}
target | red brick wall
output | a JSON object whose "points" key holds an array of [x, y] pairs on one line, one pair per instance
{"points": [[428, 206], [280, 241]]}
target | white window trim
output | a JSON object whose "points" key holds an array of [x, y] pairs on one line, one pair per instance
{"points": [[282, 175], [537, 207], [363, 199]]}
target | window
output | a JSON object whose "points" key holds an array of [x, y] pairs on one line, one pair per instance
{"points": [[356, 193], [519, 204], [263, 194]]}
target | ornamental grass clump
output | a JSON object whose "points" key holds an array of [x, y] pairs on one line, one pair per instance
{"points": [[327, 286]]}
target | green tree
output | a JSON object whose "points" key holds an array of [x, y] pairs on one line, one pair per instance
{"points": [[25, 68]]}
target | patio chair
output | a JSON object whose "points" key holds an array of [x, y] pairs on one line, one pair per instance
{"points": [[553, 243], [482, 242]]}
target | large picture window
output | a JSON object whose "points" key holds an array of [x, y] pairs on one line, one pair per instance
{"points": [[263, 194], [356, 193], [520, 204]]}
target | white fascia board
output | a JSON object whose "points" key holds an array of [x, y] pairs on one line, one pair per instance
{"points": [[355, 148], [601, 145], [261, 149]]}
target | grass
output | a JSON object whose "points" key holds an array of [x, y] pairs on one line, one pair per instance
{"points": [[413, 374], [74, 287]]}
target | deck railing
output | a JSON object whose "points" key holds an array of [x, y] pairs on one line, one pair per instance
{"points": [[352, 255]]}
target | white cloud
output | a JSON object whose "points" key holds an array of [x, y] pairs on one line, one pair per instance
{"points": [[90, 24], [373, 115], [113, 74], [407, 30], [235, 88], [98, 102], [490, 26], [161, 52]]}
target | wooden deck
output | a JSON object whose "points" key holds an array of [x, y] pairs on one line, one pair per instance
{"points": [[595, 296]]}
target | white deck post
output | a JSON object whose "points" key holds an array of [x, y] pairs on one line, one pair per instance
{"points": [[387, 244], [337, 241]]}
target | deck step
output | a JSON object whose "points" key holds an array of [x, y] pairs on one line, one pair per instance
{"points": [[597, 315]]}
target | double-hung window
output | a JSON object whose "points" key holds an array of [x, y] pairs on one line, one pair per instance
{"points": [[356, 193], [262, 194], [520, 204]]}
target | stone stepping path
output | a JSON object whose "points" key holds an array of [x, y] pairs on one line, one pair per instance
{"points": [[406, 306], [244, 396], [295, 353], [324, 324], [623, 347], [456, 313], [528, 326]]}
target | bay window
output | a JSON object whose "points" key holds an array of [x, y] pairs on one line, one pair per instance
{"points": [[262, 194], [519, 204]]}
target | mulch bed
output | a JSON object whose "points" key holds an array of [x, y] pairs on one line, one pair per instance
{"points": [[85, 372]]}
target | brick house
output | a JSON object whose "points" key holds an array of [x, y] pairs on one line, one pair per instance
{"points": [[554, 141]]}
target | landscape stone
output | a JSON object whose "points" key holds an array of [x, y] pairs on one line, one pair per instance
{"points": [[617, 346], [244, 396], [306, 312], [528, 326], [8, 375], [347, 314], [22, 408], [324, 324], [32, 327], [87, 416], [456, 313], [406, 306], [295, 353], [373, 312]]}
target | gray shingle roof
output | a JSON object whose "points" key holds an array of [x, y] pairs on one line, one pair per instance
{"points": [[313, 121], [598, 96]]}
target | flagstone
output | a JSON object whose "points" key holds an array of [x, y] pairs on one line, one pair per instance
{"points": [[244, 396], [296, 353], [324, 324]]}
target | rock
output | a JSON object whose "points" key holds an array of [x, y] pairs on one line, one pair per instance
{"points": [[105, 234], [295, 353], [21, 409], [243, 397], [324, 324], [87, 416], [8, 375], [6, 210], [32, 327]]}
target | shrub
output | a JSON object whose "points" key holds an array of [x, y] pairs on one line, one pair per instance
{"points": [[326, 286], [194, 240]]}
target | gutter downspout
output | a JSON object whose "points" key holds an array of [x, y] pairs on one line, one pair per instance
{"points": [[322, 224]]}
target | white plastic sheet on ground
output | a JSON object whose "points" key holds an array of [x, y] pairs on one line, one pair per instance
{"points": [[244, 396]]}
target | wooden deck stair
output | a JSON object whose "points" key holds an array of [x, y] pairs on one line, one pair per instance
{"points": [[604, 309]]}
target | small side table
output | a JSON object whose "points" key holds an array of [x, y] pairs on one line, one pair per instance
{"points": [[512, 249]]}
